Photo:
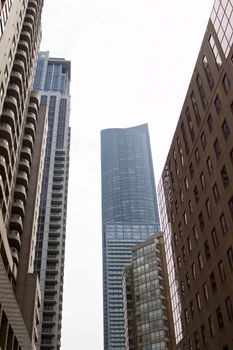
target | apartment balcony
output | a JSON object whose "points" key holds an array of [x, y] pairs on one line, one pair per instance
{"points": [[3, 168], [24, 166], [19, 67], [14, 90], [32, 118], [18, 207], [28, 23], [32, 108], [28, 141], [22, 179], [26, 153], [30, 129], [9, 117], [15, 255], [16, 78], [31, 11], [20, 193], [14, 239], [24, 46], [25, 36], [4, 149], [16, 223], [48, 330], [21, 55], [6, 132]]}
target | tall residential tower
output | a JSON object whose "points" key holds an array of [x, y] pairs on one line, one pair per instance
{"points": [[52, 81], [129, 215], [196, 196], [22, 144]]}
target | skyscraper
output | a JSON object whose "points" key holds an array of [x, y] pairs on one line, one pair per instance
{"points": [[129, 215], [196, 195], [23, 126], [52, 81], [146, 297]]}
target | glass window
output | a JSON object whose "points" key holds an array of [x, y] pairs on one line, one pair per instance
{"points": [[194, 271], [205, 290], [203, 334], [201, 221], [215, 238], [211, 326], [196, 194], [200, 261], [225, 177], [209, 165], [202, 179], [208, 208], [191, 169], [218, 104], [195, 109], [208, 72], [198, 299], [216, 193], [215, 52], [207, 250], [223, 223], [197, 155], [229, 308], [221, 271], [230, 257], [195, 233], [213, 282], [210, 123], [201, 91], [203, 140], [226, 83], [197, 343], [225, 129], [219, 318], [217, 148], [190, 124]]}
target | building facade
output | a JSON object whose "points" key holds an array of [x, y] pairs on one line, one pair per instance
{"points": [[23, 127], [52, 81], [129, 215], [146, 298], [196, 196]]}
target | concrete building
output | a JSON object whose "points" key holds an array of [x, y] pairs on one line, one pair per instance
{"points": [[196, 196], [52, 81], [129, 215], [23, 128], [146, 298]]}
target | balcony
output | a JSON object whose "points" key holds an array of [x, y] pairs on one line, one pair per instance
{"points": [[16, 78], [14, 239], [18, 207], [24, 46], [6, 132], [9, 117], [32, 118], [16, 223], [25, 36], [28, 141], [20, 193], [27, 25], [29, 18], [4, 149], [30, 129], [26, 153], [15, 256], [19, 67], [24, 166], [21, 55], [3, 168], [32, 108]]}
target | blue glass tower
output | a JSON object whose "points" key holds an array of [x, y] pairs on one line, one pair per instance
{"points": [[129, 215], [52, 81]]}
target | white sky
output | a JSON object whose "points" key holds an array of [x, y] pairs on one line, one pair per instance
{"points": [[132, 61]]}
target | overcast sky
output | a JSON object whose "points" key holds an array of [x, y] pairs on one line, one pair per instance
{"points": [[132, 61]]}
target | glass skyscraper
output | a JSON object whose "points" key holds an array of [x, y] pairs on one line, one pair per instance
{"points": [[129, 215], [52, 81]]}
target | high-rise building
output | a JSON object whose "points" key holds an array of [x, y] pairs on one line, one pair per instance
{"points": [[196, 195], [146, 298], [23, 126], [52, 81], [129, 215]]}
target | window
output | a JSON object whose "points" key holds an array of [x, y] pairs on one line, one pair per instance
{"points": [[180, 229], [195, 233], [210, 123], [208, 208], [194, 271], [181, 196], [179, 262], [203, 334], [184, 136], [215, 52], [218, 104], [225, 177], [195, 109], [196, 194], [203, 140], [219, 318], [211, 326], [221, 271], [202, 179], [175, 238], [186, 316], [189, 242], [186, 183], [216, 193], [198, 299], [6, 73], [190, 207], [213, 282], [214, 238], [190, 344], [205, 290], [201, 91], [191, 170], [197, 343], [208, 72], [230, 257], [183, 254], [177, 207], [188, 280], [223, 224], [1, 91], [217, 148], [225, 129], [207, 250], [209, 165], [192, 310], [231, 205], [226, 83], [182, 288], [185, 218], [229, 309], [190, 124], [197, 155], [200, 261], [201, 221]]}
